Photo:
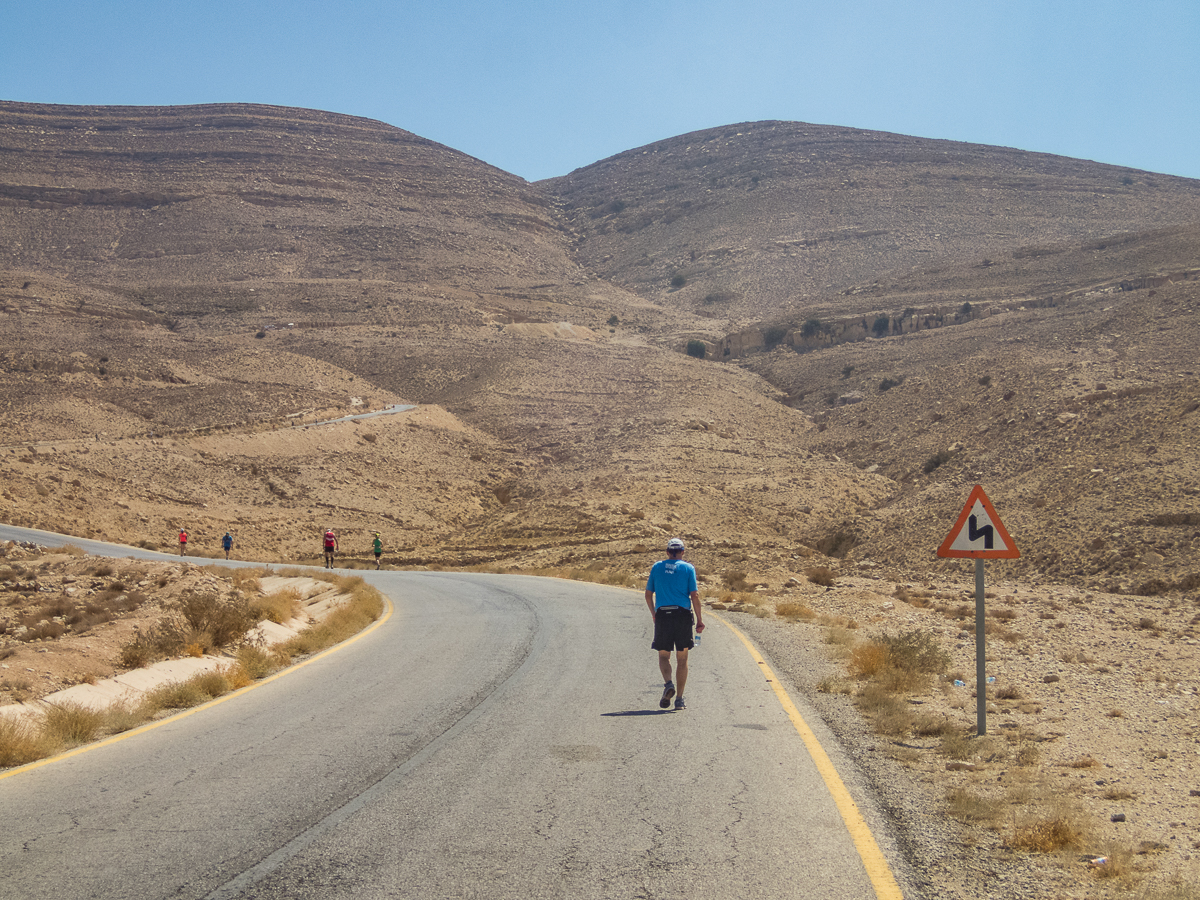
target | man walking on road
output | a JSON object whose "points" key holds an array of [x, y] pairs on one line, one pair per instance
{"points": [[227, 543], [672, 597], [330, 541]]}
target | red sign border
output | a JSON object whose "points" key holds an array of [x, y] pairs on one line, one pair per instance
{"points": [[978, 495]]}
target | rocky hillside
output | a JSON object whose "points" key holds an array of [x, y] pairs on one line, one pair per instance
{"points": [[183, 286], [738, 222]]}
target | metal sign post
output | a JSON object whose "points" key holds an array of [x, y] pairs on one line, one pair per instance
{"points": [[979, 534]]}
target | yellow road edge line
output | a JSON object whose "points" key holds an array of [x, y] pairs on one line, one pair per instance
{"points": [[141, 729], [878, 870]]}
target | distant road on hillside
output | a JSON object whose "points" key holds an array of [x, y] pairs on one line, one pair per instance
{"points": [[497, 737]]}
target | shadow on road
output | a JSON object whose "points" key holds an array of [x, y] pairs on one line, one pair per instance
{"points": [[640, 712]]}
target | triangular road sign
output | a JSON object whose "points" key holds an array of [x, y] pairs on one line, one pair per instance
{"points": [[978, 533]]}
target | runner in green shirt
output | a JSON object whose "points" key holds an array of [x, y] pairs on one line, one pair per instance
{"points": [[377, 547]]}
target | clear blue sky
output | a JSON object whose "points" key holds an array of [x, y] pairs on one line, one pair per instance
{"points": [[542, 87]]}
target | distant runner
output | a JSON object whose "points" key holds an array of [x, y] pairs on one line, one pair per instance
{"points": [[227, 543], [377, 548], [182, 542], [672, 597], [331, 544]]}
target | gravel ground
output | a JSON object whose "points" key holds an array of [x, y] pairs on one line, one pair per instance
{"points": [[1107, 705]]}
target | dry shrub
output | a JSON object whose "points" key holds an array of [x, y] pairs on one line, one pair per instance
{"points": [[71, 723], [957, 744], [967, 806], [255, 662], [889, 715], [821, 575], [202, 621], [1028, 754], [280, 607], [72, 550], [868, 659], [364, 607], [177, 695], [915, 651], [839, 636], [735, 579], [833, 685], [1084, 762], [795, 611], [930, 725], [122, 717], [214, 683], [1008, 692], [21, 742], [1058, 829], [1119, 794]]}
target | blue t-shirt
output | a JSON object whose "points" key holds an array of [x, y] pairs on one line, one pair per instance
{"points": [[672, 581]]}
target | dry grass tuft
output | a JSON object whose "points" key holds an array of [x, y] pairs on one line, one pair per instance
{"points": [[967, 806], [1084, 762], [1059, 829], [280, 607], [795, 611], [821, 575], [23, 741], [72, 724]]}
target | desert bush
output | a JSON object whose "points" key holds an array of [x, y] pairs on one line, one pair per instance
{"points": [[936, 461], [967, 806], [256, 662], [888, 714], [868, 659], [72, 550], [122, 717], [71, 723], [735, 579], [881, 325], [1060, 829], [774, 335], [957, 744], [930, 725], [22, 741], [794, 611], [214, 683], [915, 651], [678, 281], [280, 607], [1008, 692], [1028, 754], [821, 575], [177, 695], [698, 349], [888, 383], [364, 606]]}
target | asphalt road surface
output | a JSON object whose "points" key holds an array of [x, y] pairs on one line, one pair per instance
{"points": [[495, 737]]}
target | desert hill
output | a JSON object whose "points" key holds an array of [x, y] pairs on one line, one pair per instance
{"points": [[764, 215], [184, 286]]}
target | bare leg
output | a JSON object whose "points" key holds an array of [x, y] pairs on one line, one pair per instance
{"points": [[681, 671], [664, 664]]}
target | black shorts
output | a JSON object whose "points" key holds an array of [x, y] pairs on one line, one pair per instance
{"points": [[672, 628]]}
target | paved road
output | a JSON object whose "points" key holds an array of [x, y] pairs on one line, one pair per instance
{"points": [[497, 737]]}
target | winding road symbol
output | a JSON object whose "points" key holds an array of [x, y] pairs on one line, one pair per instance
{"points": [[978, 533]]}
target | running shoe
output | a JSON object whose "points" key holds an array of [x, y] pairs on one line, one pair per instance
{"points": [[668, 693]]}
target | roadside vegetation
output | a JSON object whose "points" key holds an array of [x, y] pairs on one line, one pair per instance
{"points": [[201, 623]]}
